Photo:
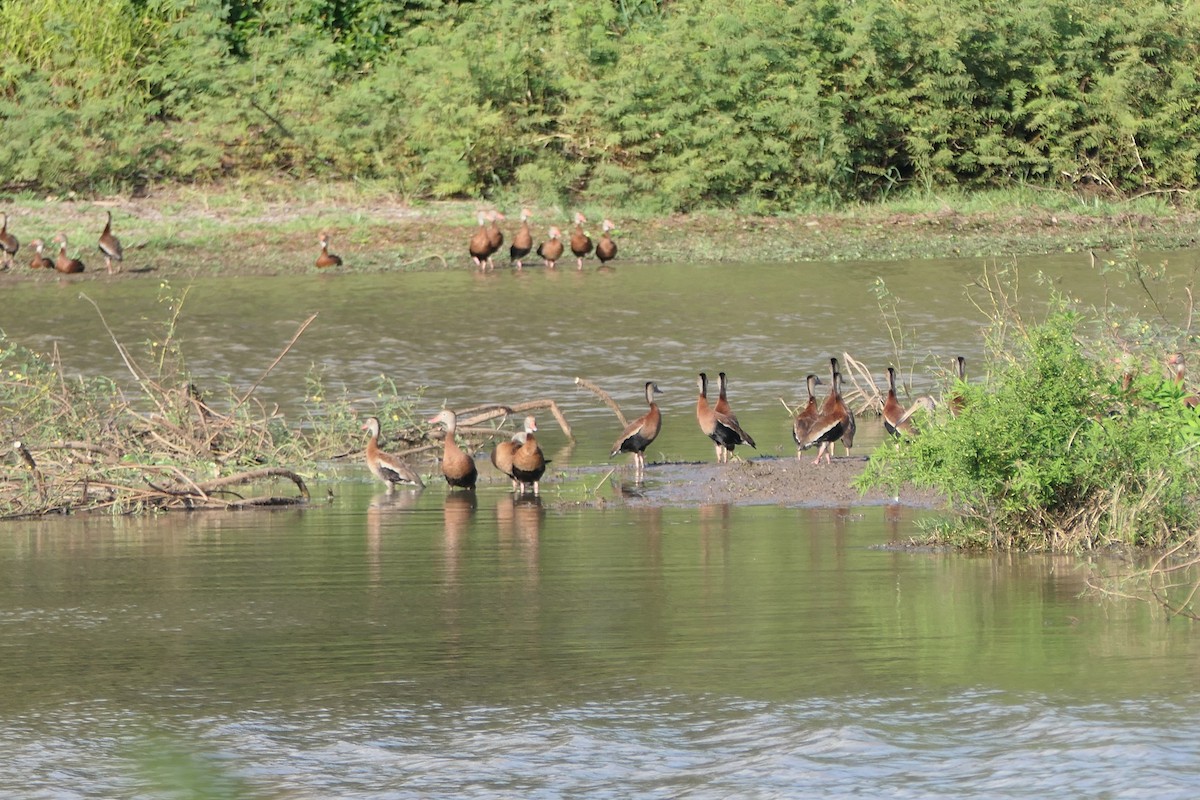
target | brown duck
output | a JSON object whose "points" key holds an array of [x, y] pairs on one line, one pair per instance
{"points": [[528, 462], [722, 428], [388, 468], [638, 434], [326, 258], [581, 243], [522, 243], [458, 468]]}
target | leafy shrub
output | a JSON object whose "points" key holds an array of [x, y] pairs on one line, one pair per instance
{"points": [[1057, 450]]}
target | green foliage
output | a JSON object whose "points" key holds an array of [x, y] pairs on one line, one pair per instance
{"points": [[670, 106], [1057, 450]]}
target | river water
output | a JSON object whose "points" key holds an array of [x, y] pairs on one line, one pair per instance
{"points": [[436, 645]]}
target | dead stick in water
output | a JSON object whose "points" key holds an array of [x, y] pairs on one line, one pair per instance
{"points": [[299, 331], [605, 396]]}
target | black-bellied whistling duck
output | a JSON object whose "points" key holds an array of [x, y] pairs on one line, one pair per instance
{"points": [[892, 410], [904, 424], [957, 402], [458, 467], [1175, 361], [480, 245], [495, 237], [528, 463], [110, 246], [551, 250], [721, 428], [834, 422], [606, 248], [8, 243], [326, 258], [722, 406], [385, 466], [803, 421], [63, 262], [581, 243], [638, 434], [39, 261], [502, 456], [522, 243]]}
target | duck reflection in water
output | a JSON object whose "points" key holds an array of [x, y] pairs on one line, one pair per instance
{"points": [[385, 506]]}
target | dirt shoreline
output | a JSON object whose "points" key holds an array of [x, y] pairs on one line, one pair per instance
{"points": [[759, 481], [182, 234]]}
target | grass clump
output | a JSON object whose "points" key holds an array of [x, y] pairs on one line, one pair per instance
{"points": [[1061, 448]]}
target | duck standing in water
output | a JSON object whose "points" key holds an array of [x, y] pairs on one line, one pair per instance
{"points": [[551, 250], [606, 248], [502, 456], [581, 243], [522, 243], [388, 468], [458, 468], [528, 462]]}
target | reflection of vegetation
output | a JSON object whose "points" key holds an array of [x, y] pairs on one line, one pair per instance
{"points": [[1075, 440], [670, 105]]}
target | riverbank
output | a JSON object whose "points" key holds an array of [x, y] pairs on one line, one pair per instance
{"points": [[758, 481], [273, 231]]}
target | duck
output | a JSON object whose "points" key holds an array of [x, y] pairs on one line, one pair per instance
{"points": [[8, 243], [581, 243], [606, 248], [388, 468], [39, 261], [1175, 361], [835, 421], [495, 237], [957, 402], [722, 406], [904, 424], [326, 258], [458, 468], [639, 434], [110, 246], [528, 462], [720, 427], [892, 410], [803, 421], [63, 262], [480, 245], [502, 456], [522, 243], [551, 250]]}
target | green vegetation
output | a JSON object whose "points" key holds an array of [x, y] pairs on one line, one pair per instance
{"points": [[1073, 440], [758, 105]]}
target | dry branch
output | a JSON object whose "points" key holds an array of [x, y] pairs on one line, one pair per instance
{"points": [[604, 396]]}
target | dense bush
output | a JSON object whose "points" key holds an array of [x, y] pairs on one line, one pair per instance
{"points": [[1060, 449], [668, 104]]}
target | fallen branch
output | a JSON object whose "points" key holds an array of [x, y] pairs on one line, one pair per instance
{"points": [[605, 396]]}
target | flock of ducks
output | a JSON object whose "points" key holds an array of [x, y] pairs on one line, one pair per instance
{"points": [[818, 425], [484, 244], [109, 245], [488, 239]]}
